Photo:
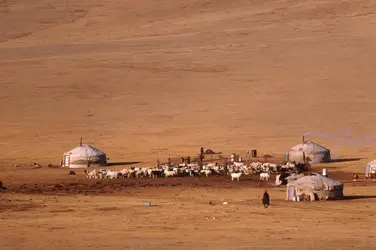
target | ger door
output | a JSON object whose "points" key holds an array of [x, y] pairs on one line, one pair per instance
{"points": [[291, 192], [66, 161]]}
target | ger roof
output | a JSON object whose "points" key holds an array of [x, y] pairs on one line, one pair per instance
{"points": [[85, 149], [372, 162], [309, 146], [317, 182]]}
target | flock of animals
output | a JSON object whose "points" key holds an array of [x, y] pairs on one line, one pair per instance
{"points": [[235, 170]]}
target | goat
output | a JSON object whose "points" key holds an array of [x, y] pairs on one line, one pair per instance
{"points": [[264, 176], [112, 174], [211, 165], [238, 164], [236, 176], [207, 172], [91, 174], [168, 173], [155, 173]]}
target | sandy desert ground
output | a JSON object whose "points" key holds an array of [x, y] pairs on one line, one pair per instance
{"points": [[140, 79], [44, 208]]}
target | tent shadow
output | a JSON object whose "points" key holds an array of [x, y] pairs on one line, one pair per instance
{"points": [[109, 164], [344, 160], [357, 197]]}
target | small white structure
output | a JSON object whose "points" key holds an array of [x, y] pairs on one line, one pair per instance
{"points": [[294, 177], [84, 156], [371, 169], [324, 172], [315, 186]]}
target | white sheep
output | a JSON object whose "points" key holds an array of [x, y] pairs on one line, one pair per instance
{"points": [[124, 172], [168, 173], [238, 164], [211, 165], [91, 174], [264, 176], [236, 176], [112, 174], [207, 172], [192, 165], [138, 173], [102, 173]]}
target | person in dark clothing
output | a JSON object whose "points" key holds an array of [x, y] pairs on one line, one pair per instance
{"points": [[2, 186], [225, 168], [266, 199], [169, 162], [158, 163], [202, 156]]}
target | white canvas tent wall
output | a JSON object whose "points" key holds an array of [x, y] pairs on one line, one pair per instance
{"points": [[84, 156], [314, 151], [316, 186], [371, 168]]}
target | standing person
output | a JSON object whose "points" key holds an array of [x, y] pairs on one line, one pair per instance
{"points": [[169, 162], [266, 199], [158, 164], [202, 154], [226, 168], [2, 186]]}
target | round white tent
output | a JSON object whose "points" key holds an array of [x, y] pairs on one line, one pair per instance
{"points": [[316, 186], [315, 152], [84, 156]]}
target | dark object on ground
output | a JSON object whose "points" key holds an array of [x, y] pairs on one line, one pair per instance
{"points": [[283, 179], [2, 186], [254, 153], [158, 163], [72, 173], [266, 199], [355, 177], [301, 167], [35, 165], [201, 155]]}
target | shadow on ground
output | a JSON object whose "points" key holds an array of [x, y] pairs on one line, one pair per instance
{"points": [[344, 160], [110, 164], [357, 197]]}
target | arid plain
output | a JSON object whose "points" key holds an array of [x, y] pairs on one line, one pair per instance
{"points": [[140, 79]]}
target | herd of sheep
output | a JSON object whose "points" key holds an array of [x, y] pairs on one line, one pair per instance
{"points": [[235, 170]]}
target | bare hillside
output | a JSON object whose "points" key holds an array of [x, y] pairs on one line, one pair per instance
{"points": [[136, 78]]}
